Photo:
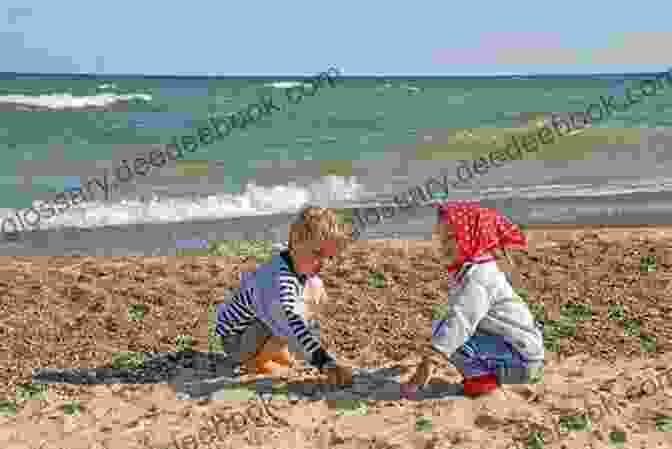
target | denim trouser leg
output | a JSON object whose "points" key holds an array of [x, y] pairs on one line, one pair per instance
{"points": [[489, 354]]}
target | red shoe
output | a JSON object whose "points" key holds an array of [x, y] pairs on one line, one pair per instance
{"points": [[475, 386]]}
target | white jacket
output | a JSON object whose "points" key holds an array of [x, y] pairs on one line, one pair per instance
{"points": [[486, 303]]}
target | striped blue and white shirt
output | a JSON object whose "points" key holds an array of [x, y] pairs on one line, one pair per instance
{"points": [[272, 294]]}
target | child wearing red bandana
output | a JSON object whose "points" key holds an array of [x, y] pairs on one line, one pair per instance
{"points": [[488, 332]]}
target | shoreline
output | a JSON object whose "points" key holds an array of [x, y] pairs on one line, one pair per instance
{"points": [[651, 210]]}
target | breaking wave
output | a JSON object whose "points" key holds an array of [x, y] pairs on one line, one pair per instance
{"points": [[330, 191], [68, 101]]}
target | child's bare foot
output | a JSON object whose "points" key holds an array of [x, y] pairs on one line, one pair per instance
{"points": [[422, 376], [423, 373]]}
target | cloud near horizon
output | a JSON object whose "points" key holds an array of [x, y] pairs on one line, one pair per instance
{"points": [[637, 48]]}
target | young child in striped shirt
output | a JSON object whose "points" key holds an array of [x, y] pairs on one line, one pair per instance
{"points": [[267, 316], [487, 332]]}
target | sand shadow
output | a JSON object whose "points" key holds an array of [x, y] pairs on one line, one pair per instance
{"points": [[198, 375], [377, 384], [156, 368]]}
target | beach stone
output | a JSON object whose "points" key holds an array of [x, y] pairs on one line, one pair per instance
{"points": [[303, 390], [343, 395], [114, 380], [264, 387], [441, 392], [365, 373], [362, 388], [328, 388], [388, 386], [358, 372], [362, 379], [318, 393]]}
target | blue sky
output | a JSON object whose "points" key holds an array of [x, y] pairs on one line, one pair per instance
{"points": [[360, 37]]}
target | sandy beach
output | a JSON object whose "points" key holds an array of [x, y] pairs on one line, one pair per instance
{"points": [[607, 319]]}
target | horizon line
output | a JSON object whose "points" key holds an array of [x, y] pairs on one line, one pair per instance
{"points": [[269, 76]]}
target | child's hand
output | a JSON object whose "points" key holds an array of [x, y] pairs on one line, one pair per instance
{"points": [[321, 360]]}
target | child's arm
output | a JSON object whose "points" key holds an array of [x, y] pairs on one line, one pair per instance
{"points": [[318, 357], [466, 309]]}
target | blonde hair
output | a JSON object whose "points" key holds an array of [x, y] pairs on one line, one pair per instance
{"points": [[318, 223]]}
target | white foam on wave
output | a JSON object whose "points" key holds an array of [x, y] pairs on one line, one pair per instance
{"points": [[612, 188], [539, 192], [107, 86], [331, 191], [68, 101], [284, 84]]}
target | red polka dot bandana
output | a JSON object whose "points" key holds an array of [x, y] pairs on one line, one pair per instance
{"points": [[478, 230]]}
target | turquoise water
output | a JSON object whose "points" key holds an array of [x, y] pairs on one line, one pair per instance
{"points": [[361, 119]]}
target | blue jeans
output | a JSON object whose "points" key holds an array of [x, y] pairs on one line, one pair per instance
{"points": [[487, 355]]}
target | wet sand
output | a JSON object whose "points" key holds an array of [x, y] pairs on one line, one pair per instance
{"points": [[159, 239]]}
